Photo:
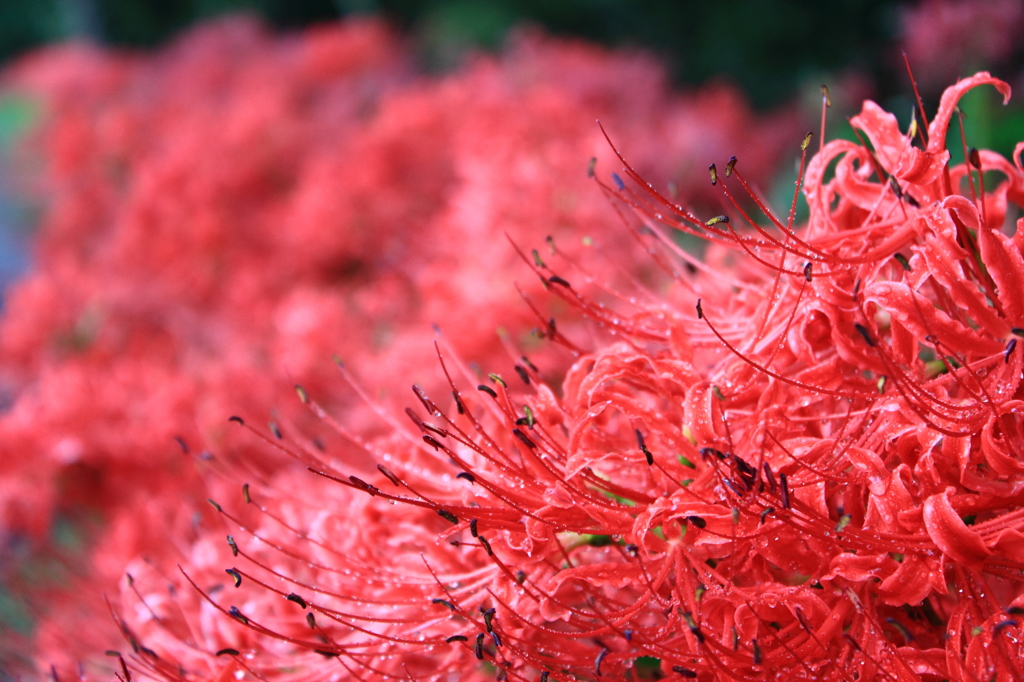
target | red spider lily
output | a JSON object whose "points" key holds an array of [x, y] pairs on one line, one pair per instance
{"points": [[801, 461], [221, 217]]}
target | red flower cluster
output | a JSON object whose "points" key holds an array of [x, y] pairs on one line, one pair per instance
{"points": [[943, 37], [800, 460], [222, 217]]}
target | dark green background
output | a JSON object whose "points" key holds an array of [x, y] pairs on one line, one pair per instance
{"points": [[767, 47]]}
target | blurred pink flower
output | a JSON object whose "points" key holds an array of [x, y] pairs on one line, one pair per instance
{"points": [[942, 38]]}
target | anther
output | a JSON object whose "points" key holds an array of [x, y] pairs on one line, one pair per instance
{"points": [[975, 157], [907, 637], [772, 486], [897, 190], [704, 452], [388, 474], [598, 660], [427, 404], [643, 447], [692, 625], [439, 431], [865, 333], [448, 516], [524, 438], [999, 627], [416, 418], [359, 483], [555, 279]]}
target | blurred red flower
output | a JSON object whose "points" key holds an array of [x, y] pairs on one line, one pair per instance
{"points": [[942, 38], [221, 217]]}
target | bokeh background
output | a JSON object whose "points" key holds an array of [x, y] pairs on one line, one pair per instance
{"points": [[775, 51], [771, 48], [778, 52]]}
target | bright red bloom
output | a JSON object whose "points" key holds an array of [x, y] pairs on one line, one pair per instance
{"points": [[801, 461]]}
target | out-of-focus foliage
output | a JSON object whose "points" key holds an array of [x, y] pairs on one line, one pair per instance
{"points": [[770, 48]]}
